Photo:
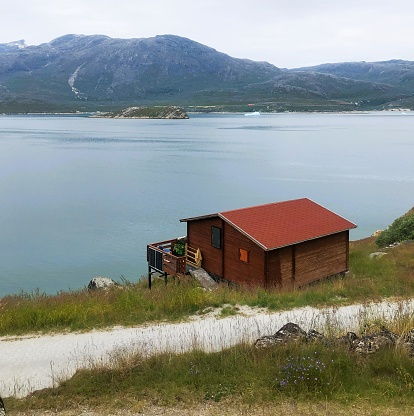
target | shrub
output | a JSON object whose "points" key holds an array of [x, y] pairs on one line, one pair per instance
{"points": [[401, 229]]}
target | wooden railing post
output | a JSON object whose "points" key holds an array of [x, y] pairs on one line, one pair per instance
{"points": [[193, 256], [198, 258]]}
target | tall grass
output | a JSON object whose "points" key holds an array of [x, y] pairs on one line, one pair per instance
{"points": [[243, 374], [369, 279]]}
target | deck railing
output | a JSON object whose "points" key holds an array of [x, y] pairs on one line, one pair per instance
{"points": [[193, 256], [160, 258]]}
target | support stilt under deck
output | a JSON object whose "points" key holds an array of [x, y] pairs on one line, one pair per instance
{"points": [[151, 272]]}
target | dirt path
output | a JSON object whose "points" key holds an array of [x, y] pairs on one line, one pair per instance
{"points": [[34, 362]]}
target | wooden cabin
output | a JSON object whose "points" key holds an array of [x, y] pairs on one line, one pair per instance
{"points": [[284, 244]]}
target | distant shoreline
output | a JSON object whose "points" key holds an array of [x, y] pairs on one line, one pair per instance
{"points": [[97, 114]]}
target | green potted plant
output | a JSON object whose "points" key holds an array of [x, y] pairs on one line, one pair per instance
{"points": [[179, 249]]}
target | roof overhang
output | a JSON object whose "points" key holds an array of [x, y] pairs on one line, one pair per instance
{"points": [[202, 217]]}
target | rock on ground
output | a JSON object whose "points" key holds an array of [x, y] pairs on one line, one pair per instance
{"points": [[99, 282], [367, 344]]}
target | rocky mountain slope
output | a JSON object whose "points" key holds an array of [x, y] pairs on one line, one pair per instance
{"points": [[77, 72], [395, 72]]}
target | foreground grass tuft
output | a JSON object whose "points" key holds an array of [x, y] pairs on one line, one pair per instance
{"points": [[242, 374]]}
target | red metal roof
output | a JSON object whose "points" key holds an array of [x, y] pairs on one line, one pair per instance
{"points": [[285, 223]]}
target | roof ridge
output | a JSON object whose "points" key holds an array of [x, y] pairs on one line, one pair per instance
{"points": [[268, 204]]}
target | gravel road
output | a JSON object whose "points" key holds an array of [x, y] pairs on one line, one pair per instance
{"points": [[32, 362]]}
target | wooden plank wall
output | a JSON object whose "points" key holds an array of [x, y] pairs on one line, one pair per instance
{"points": [[280, 268], [237, 271], [199, 236], [303, 263], [321, 258]]}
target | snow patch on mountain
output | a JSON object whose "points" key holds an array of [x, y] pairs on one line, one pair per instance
{"points": [[71, 82]]}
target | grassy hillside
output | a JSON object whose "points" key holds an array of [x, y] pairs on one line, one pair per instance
{"points": [[390, 276], [242, 377], [401, 230]]}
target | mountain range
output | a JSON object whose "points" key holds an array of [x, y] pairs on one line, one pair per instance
{"points": [[99, 73]]}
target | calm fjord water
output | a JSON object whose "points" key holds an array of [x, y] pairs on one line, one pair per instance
{"points": [[82, 197]]}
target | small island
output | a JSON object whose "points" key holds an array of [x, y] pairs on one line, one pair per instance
{"points": [[164, 112]]}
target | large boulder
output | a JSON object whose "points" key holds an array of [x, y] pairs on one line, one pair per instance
{"points": [[288, 333], [99, 282]]}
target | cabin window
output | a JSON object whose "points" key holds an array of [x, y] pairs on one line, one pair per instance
{"points": [[244, 255], [216, 237]]}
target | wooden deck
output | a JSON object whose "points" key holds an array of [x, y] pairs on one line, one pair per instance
{"points": [[162, 258]]}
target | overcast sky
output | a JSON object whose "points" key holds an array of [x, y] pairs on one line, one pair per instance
{"points": [[288, 34]]}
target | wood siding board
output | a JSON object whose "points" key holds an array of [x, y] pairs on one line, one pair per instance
{"points": [[237, 271], [347, 250], [286, 267], [223, 249], [199, 236], [274, 273], [320, 258]]}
